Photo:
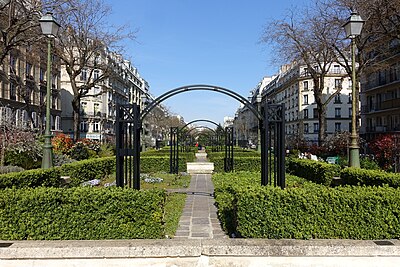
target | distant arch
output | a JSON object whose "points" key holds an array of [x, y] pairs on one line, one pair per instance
{"points": [[200, 87]]}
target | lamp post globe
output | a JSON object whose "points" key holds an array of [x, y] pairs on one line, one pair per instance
{"points": [[49, 28], [353, 27]]}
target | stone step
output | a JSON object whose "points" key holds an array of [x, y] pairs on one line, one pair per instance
{"points": [[200, 167]]}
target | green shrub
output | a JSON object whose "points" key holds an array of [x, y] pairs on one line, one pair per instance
{"points": [[159, 164], [23, 159], [305, 210], [252, 164], [31, 178], [369, 164], [354, 176], [81, 213], [318, 172], [8, 169], [89, 169]]}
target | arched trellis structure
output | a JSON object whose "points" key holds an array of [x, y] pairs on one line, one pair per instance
{"points": [[271, 123], [217, 134]]}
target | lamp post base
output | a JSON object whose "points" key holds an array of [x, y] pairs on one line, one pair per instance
{"points": [[354, 157], [47, 161]]}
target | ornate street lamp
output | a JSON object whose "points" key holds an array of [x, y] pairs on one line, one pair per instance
{"points": [[353, 28], [50, 29]]}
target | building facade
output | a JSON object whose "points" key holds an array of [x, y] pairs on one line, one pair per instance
{"points": [[98, 108], [380, 96], [293, 86], [23, 88]]}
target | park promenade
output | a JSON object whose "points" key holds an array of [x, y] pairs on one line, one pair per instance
{"points": [[200, 242]]}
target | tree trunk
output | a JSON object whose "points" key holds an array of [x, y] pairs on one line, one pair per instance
{"points": [[77, 118], [321, 108]]}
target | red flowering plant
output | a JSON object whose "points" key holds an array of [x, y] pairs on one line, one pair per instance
{"points": [[385, 147], [62, 143]]}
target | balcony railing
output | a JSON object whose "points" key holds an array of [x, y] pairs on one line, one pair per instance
{"points": [[384, 105]]}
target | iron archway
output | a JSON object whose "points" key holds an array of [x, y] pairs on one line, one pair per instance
{"points": [[271, 118]]}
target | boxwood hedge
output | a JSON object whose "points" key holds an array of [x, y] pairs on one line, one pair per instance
{"points": [[306, 210], [81, 213], [354, 176], [316, 171]]}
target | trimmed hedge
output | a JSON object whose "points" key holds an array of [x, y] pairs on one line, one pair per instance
{"points": [[81, 171], [354, 176], [159, 164], [306, 210], [316, 171], [239, 164], [84, 170], [31, 178], [81, 213]]}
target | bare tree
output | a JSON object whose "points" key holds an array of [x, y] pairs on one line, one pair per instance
{"points": [[304, 39], [83, 48]]}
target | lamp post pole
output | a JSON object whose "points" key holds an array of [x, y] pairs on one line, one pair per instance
{"points": [[47, 161], [259, 126], [353, 28], [49, 28], [354, 148]]}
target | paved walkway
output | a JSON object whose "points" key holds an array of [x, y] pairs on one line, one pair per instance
{"points": [[199, 218]]}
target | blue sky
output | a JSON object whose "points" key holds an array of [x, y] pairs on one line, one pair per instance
{"points": [[182, 42]]}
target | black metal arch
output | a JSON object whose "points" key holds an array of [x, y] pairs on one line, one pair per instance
{"points": [[201, 87], [201, 127], [200, 120]]}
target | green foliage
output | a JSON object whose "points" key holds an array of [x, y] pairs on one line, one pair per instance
{"points": [[318, 172], [61, 159], [305, 210], [159, 164], [369, 164], [31, 178], [354, 176], [89, 169], [173, 210], [81, 213], [79, 151], [27, 155], [239, 163], [106, 150], [8, 169]]}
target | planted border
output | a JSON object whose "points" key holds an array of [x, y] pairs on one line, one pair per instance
{"points": [[354, 176], [81, 213], [315, 171]]}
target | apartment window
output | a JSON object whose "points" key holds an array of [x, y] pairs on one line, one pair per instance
{"points": [[306, 128], [41, 74], [96, 108], [336, 69], [316, 127], [13, 91], [337, 99], [84, 75], [28, 69], [84, 126], [350, 112], [350, 98], [338, 83], [338, 126], [306, 114], [315, 113], [13, 63], [96, 127], [96, 74], [305, 85], [338, 112], [83, 107], [305, 99]]}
